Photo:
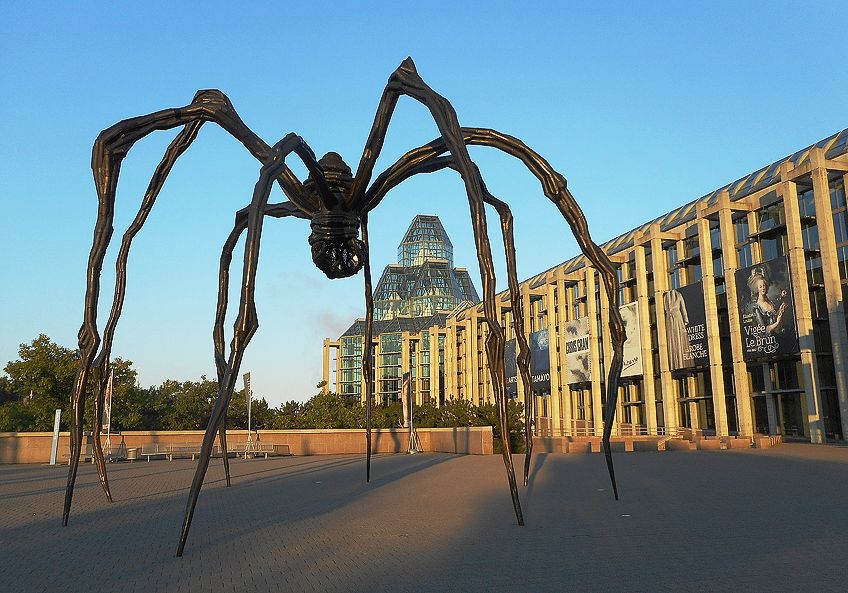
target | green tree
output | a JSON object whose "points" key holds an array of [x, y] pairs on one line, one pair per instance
{"points": [[187, 404], [41, 379]]}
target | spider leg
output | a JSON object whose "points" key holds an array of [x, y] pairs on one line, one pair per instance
{"points": [[180, 143], [246, 322], [368, 347], [405, 80], [277, 211], [431, 164], [110, 148], [555, 189]]}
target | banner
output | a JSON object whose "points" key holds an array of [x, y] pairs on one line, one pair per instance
{"points": [[247, 390], [578, 363], [766, 311], [540, 362], [107, 405], [633, 344], [686, 327], [406, 399], [510, 369]]}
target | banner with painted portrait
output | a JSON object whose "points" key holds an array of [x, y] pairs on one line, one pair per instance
{"points": [[632, 366], [540, 362], [578, 362], [686, 327], [766, 311]]}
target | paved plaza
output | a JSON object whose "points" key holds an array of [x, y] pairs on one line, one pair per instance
{"points": [[773, 520]]}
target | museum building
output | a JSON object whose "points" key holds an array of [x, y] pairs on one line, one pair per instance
{"points": [[734, 306]]}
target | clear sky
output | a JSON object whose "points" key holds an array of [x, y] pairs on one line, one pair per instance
{"points": [[643, 106]]}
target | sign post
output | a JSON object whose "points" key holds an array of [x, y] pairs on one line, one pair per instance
{"points": [[54, 449], [414, 446]]}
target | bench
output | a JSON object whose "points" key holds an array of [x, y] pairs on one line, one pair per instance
{"points": [[183, 450], [154, 450], [264, 449]]}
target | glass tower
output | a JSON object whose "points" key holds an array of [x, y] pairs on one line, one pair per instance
{"points": [[424, 281]]}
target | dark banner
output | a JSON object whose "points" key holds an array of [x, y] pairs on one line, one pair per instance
{"points": [[766, 311], [540, 362], [510, 369], [686, 327]]}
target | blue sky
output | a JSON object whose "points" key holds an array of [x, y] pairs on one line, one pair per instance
{"points": [[643, 106]]}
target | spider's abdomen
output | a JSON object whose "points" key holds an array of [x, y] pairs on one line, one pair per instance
{"points": [[336, 248]]}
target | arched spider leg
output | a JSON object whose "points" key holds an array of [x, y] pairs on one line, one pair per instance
{"points": [[111, 147], [246, 322], [101, 363], [280, 210], [555, 188], [405, 81], [368, 346], [431, 164]]}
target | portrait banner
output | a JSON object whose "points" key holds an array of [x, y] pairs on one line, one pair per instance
{"points": [[540, 362], [578, 361], [766, 311], [632, 366], [686, 327]]}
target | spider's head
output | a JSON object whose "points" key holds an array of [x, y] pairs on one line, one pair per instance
{"points": [[336, 248]]}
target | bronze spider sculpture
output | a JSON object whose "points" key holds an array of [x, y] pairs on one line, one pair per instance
{"points": [[337, 204]]}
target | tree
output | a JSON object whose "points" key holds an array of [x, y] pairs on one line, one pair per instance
{"points": [[46, 371], [187, 404]]}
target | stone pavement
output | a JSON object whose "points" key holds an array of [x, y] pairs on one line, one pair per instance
{"points": [[772, 520]]}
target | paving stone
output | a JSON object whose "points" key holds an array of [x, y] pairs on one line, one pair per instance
{"points": [[768, 520]]}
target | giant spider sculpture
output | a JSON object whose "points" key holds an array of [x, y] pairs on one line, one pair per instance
{"points": [[337, 204]]}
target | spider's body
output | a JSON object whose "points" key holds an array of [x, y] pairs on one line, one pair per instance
{"points": [[336, 248], [337, 203]]}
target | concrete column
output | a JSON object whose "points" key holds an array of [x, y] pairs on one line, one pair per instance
{"points": [[325, 368], [434, 365], [594, 351], [803, 314], [566, 307], [471, 360], [729, 257], [713, 332], [645, 334], [553, 344], [451, 360], [832, 283], [660, 266]]}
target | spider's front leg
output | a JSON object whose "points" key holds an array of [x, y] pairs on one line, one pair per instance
{"points": [[423, 160], [405, 80], [110, 149], [246, 322], [277, 211]]}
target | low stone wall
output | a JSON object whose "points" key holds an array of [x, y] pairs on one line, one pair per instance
{"points": [[34, 447]]}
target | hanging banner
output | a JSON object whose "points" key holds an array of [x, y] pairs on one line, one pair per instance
{"points": [[247, 390], [633, 343], [107, 405], [686, 327], [766, 311], [406, 399], [510, 369], [540, 362], [577, 359]]}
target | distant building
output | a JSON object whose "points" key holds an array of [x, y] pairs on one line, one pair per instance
{"points": [[413, 296], [735, 311]]}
